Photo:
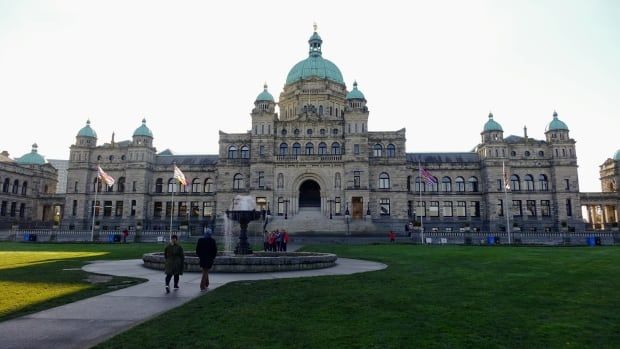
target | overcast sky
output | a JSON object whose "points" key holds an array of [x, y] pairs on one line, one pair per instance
{"points": [[191, 69]]}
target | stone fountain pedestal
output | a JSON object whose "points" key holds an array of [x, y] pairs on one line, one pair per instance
{"points": [[244, 217]]}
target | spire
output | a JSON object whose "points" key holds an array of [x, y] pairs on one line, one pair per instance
{"points": [[555, 114], [315, 43], [490, 115], [35, 148]]}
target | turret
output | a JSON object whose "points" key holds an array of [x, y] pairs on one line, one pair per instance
{"points": [[556, 130], [143, 135], [492, 131], [86, 137]]}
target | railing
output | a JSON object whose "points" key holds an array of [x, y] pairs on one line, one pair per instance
{"points": [[308, 158], [49, 235]]}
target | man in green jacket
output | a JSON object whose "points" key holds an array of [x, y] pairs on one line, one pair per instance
{"points": [[175, 259]]}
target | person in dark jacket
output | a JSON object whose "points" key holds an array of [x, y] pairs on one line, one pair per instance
{"points": [[206, 250], [175, 260]]}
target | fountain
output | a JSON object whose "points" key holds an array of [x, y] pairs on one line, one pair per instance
{"points": [[243, 211]]}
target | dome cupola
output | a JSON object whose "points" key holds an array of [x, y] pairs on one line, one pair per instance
{"points": [[492, 125], [143, 131], [265, 96], [617, 155], [32, 158], [87, 131], [355, 93], [556, 124]]}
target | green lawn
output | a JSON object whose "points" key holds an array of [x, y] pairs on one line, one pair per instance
{"points": [[430, 296], [35, 276]]}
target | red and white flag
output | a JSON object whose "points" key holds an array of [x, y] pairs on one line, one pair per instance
{"points": [[106, 178], [179, 176]]}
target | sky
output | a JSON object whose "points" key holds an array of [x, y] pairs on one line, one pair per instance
{"points": [[193, 68]]}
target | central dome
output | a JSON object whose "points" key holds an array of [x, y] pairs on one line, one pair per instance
{"points": [[315, 65]]}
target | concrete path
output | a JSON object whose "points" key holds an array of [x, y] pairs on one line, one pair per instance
{"points": [[91, 321]]}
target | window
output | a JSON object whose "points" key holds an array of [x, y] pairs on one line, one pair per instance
{"points": [[261, 179], [24, 188], [322, 132], [515, 185], [569, 208], [459, 182], [322, 148], [283, 148], [544, 183], [527, 153], [420, 185], [296, 148], [196, 185], [119, 209], [447, 209], [513, 153], [296, 132], [182, 209], [261, 150], [97, 185], [280, 206], [194, 209], [309, 148], [337, 180], [566, 184], [75, 187], [3, 208], [446, 184], [434, 186], [472, 184], [157, 208], [384, 181], [433, 210], [545, 209], [168, 208], [22, 210], [541, 153], [74, 208], [208, 185], [309, 131], [120, 187], [283, 132], [421, 209], [13, 208], [529, 182], [5, 185], [500, 208], [336, 148], [474, 208], [530, 208], [207, 209], [517, 210], [107, 208], [461, 208], [134, 186], [390, 151], [172, 185], [133, 208], [384, 207], [335, 131], [159, 183], [337, 206], [357, 179], [232, 152], [245, 152], [280, 181], [409, 183], [500, 184], [238, 182], [15, 189], [377, 150], [356, 149]]}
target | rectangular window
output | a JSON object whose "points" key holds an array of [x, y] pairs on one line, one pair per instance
{"points": [[207, 209], [3, 209], [433, 210], [119, 209], [384, 207], [75, 187], [280, 207], [13, 208], [157, 209], [107, 208], [566, 184], [356, 179], [168, 208], [545, 209], [337, 206], [530, 208], [569, 208], [74, 208], [261, 179], [133, 208], [517, 211], [134, 186], [461, 208], [356, 149], [261, 150], [22, 210], [421, 209], [500, 208], [95, 207], [500, 186], [182, 209], [194, 209], [447, 209], [474, 208]]}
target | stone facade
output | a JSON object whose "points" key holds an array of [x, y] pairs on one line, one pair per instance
{"points": [[603, 209]]}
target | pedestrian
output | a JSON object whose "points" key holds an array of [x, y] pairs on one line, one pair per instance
{"points": [[407, 229], [284, 240], [266, 241], [272, 241], [392, 236], [206, 250], [125, 234], [279, 241], [175, 260]]}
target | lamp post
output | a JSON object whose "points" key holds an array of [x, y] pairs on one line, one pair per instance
{"points": [[347, 216], [286, 209], [330, 208]]}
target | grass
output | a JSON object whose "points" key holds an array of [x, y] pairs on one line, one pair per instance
{"points": [[34, 277], [447, 296]]}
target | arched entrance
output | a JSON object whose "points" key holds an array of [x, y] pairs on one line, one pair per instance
{"points": [[309, 194]]}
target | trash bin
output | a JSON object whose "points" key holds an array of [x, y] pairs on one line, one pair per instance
{"points": [[597, 241], [26, 237], [490, 240], [590, 241]]}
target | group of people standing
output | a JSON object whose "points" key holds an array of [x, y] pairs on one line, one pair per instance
{"points": [[275, 241]]}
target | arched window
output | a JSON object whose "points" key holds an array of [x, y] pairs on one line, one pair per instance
{"points": [[238, 182], [544, 183], [377, 150], [280, 181], [283, 148], [419, 185], [336, 148], [5, 185], [529, 182], [309, 148], [208, 185], [196, 185], [15, 189], [322, 148], [172, 185], [97, 185], [446, 184], [434, 186], [337, 180], [120, 187], [296, 148], [514, 183], [472, 184], [390, 151], [384, 181], [245, 152], [24, 188], [232, 152], [459, 182]]}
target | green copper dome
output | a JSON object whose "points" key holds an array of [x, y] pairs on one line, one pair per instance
{"points": [[355, 93], [556, 124], [315, 65], [87, 131], [143, 130], [265, 95], [32, 158], [617, 155], [492, 125]]}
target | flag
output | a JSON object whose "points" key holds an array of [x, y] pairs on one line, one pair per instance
{"points": [[106, 178], [506, 183], [427, 176], [179, 176]]}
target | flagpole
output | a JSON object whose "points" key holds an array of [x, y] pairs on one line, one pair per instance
{"points": [[172, 209], [420, 190], [506, 198], [92, 228]]}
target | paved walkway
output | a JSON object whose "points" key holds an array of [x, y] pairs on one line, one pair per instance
{"points": [[91, 321]]}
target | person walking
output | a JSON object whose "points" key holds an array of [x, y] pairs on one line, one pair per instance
{"points": [[125, 234], [392, 236], [175, 260], [206, 250]]}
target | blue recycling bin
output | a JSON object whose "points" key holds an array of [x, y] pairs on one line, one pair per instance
{"points": [[26, 237], [590, 241], [111, 238], [490, 240]]}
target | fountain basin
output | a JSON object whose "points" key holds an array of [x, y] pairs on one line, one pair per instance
{"points": [[258, 262]]}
